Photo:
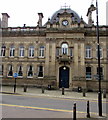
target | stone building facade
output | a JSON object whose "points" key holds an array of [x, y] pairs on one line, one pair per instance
{"points": [[60, 53]]}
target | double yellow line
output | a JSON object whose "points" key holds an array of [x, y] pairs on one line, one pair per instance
{"points": [[48, 109]]}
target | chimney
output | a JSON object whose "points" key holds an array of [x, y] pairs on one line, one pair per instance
{"points": [[5, 17], [40, 19], [89, 14]]}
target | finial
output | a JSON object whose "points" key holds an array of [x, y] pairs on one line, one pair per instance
{"points": [[65, 7]]}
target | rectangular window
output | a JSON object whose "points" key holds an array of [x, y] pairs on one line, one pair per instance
{"points": [[40, 71], [101, 72], [88, 73], [31, 51], [21, 51], [12, 51], [100, 50], [2, 51], [88, 51], [1, 70], [41, 51]]}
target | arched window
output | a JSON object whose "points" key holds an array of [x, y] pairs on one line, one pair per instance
{"points": [[10, 70], [20, 71], [30, 71], [40, 71], [31, 51], [12, 51], [65, 48], [2, 50], [88, 51]]}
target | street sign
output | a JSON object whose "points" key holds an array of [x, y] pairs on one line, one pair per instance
{"points": [[15, 75]]}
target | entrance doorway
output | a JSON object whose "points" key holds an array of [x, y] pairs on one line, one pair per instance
{"points": [[64, 77]]}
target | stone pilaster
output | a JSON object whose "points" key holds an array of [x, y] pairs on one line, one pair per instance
{"points": [[75, 59], [82, 58], [47, 58], [53, 59]]}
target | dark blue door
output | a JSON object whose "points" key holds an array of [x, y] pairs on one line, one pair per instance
{"points": [[64, 77]]}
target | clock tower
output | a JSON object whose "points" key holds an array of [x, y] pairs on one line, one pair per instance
{"points": [[65, 19]]}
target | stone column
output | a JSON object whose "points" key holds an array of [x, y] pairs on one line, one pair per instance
{"points": [[5, 69], [25, 70], [16, 50], [82, 66], [76, 59], [53, 52], [7, 50], [82, 63], [25, 50], [47, 58]]}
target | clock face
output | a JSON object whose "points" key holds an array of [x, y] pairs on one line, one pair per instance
{"points": [[65, 22]]}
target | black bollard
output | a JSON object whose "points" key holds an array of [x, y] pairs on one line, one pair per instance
{"points": [[88, 110], [25, 88], [62, 90], [84, 92], [104, 93], [42, 89], [74, 112], [15, 86]]}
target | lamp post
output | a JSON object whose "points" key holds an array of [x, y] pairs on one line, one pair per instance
{"points": [[90, 10], [99, 74]]}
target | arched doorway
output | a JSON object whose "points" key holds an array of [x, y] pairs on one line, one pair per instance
{"points": [[64, 77]]}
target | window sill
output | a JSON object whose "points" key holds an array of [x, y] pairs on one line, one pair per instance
{"points": [[88, 78], [40, 77], [10, 76], [29, 77], [88, 57], [31, 57], [41, 57], [20, 76]]}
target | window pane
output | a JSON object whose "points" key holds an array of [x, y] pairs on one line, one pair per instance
{"points": [[1, 70], [101, 72], [100, 50], [88, 51], [30, 71], [12, 51], [2, 50], [41, 51], [21, 51], [40, 72], [31, 51], [64, 48], [88, 72], [20, 73], [10, 73]]}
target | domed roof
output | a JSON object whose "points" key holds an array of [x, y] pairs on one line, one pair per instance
{"points": [[75, 16]]}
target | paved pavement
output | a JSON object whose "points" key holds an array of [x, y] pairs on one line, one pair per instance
{"points": [[53, 93]]}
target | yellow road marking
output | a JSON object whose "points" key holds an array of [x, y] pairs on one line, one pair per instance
{"points": [[49, 109]]}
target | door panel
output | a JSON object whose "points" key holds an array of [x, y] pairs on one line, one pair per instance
{"points": [[64, 77]]}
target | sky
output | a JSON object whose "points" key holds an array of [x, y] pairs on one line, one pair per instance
{"points": [[26, 11]]}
